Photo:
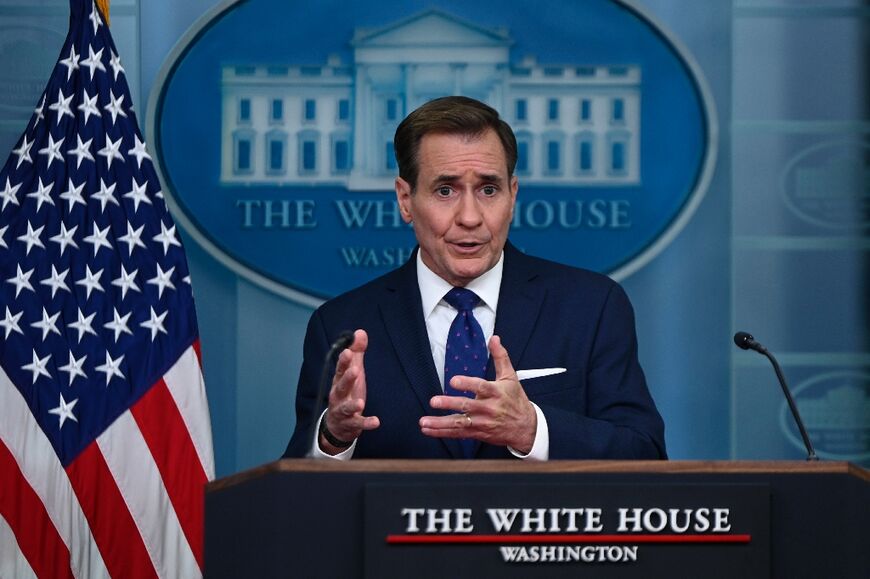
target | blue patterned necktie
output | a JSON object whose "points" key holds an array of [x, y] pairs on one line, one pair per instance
{"points": [[466, 353]]}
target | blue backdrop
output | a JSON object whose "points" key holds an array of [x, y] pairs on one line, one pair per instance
{"points": [[778, 246]]}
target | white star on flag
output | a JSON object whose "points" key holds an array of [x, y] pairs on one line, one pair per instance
{"points": [[65, 237], [166, 237], [106, 194], [95, 20], [99, 238], [155, 324], [21, 280], [52, 150], [48, 324], [31, 238], [162, 280], [89, 106], [119, 325], [37, 367], [39, 111], [115, 107], [115, 63], [138, 195], [62, 105], [73, 194], [74, 367], [56, 281], [8, 194], [84, 325], [82, 151], [112, 367], [91, 281], [23, 152], [71, 62], [132, 238], [42, 195], [94, 61], [112, 151], [64, 411], [126, 282], [10, 323], [139, 152]]}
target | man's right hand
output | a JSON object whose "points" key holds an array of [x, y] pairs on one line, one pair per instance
{"points": [[347, 397]]}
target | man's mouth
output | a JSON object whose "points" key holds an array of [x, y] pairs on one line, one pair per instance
{"points": [[467, 246]]}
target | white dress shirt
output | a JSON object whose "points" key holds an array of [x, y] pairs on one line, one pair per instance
{"points": [[439, 315]]}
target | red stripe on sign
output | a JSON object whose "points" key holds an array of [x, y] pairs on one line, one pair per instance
{"points": [[37, 537], [113, 527], [168, 439], [538, 539]]}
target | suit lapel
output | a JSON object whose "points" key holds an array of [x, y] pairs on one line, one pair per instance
{"points": [[402, 313], [519, 305]]}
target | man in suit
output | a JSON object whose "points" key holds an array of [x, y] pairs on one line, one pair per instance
{"points": [[473, 349]]}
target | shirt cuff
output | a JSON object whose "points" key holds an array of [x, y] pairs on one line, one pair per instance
{"points": [[347, 454], [541, 446]]}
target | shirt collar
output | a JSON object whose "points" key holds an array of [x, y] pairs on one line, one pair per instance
{"points": [[433, 287]]}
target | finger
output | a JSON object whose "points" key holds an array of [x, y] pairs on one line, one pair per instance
{"points": [[478, 386], [347, 408], [470, 384], [342, 384], [347, 418], [504, 370], [460, 404], [345, 358], [351, 428], [358, 350], [449, 422], [456, 426], [360, 341], [445, 433], [370, 422], [355, 423]]}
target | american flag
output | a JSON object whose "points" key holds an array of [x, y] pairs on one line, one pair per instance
{"points": [[105, 440]]}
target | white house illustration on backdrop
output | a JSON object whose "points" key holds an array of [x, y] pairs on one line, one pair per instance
{"points": [[334, 124]]}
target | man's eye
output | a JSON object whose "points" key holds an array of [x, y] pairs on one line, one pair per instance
{"points": [[489, 190], [444, 191]]}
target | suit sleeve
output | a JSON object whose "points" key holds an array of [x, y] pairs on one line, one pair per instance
{"points": [[620, 420], [314, 350]]}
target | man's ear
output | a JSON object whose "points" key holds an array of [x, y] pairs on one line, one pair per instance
{"points": [[403, 196]]}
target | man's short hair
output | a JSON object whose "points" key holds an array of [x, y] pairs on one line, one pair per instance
{"points": [[451, 115]]}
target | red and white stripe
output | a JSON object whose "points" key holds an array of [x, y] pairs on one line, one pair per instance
{"points": [[131, 504]]}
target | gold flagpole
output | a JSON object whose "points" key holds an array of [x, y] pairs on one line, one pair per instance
{"points": [[103, 5]]}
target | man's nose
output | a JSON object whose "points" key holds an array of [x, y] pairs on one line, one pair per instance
{"points": [[469, 213]]}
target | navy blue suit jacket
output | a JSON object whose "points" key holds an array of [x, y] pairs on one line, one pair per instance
{"points": [[549, 316]]}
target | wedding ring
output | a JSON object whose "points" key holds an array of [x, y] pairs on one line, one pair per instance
{"points": [[468, 421]]}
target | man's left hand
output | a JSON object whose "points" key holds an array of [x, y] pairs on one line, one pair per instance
{"points": [[500, 412]]}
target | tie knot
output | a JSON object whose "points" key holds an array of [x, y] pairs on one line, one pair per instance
{"points": [[462, 299]]}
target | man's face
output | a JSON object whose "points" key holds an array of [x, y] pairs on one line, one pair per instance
{"points": [[462, 206]]}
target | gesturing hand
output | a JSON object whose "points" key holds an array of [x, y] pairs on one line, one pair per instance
{"points": [[500, 412], [347, 397]]}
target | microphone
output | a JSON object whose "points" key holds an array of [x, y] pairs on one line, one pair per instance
{"points": [[745, 341], [344, 340]]}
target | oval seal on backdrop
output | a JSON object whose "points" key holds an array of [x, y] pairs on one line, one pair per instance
{"points": [[835, 408], [827, 185], [273, 123]]}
